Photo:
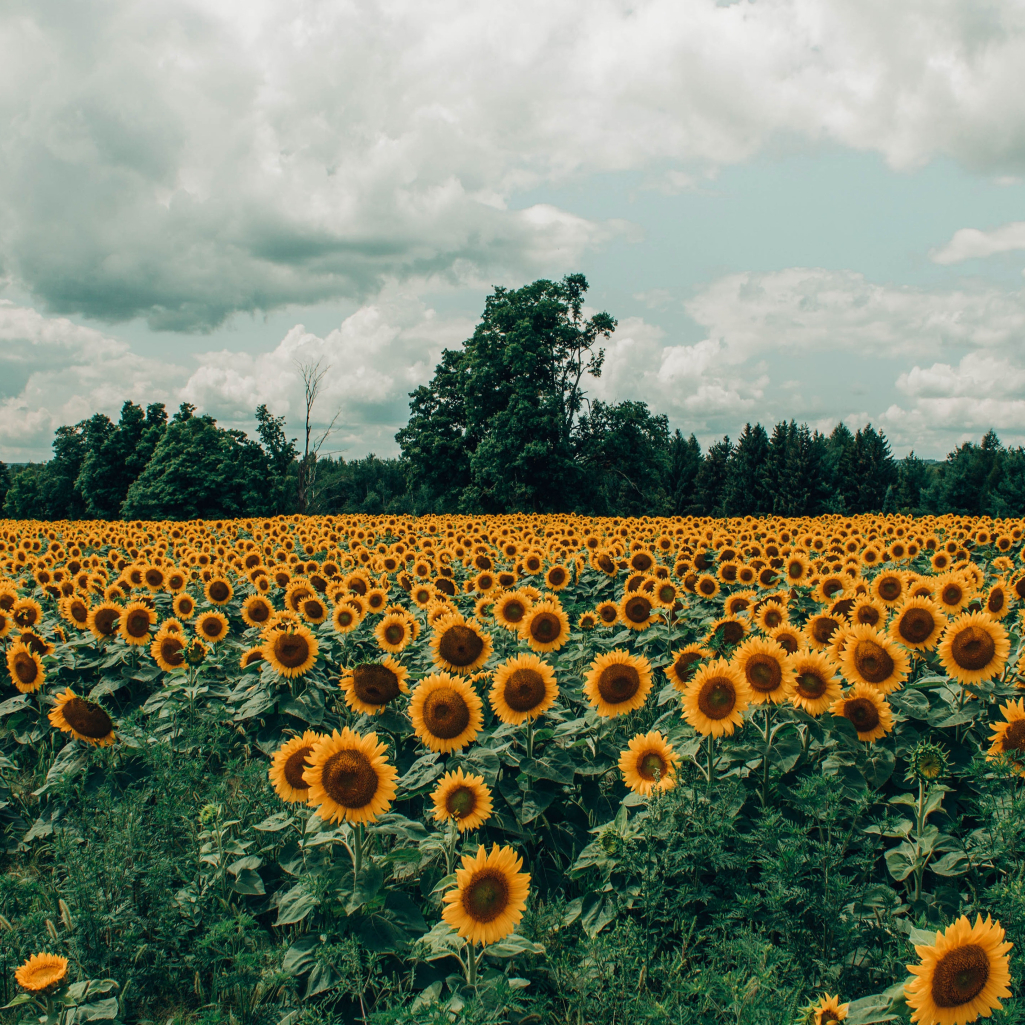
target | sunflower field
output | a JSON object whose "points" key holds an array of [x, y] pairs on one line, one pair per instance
{"points": [[514, 769]]}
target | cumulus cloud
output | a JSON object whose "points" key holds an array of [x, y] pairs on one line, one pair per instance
{"points": [[187, 160], [971, 243]]}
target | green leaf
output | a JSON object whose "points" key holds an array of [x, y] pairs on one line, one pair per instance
{"points": [[534, 804], [898, 863], [274, 823], [922, 937], [295, 905], [249, 882], [953, 864], [299, 956], [394, 824], [252, 861], [598, 910], [368, 883], [98, 1010], [513, 945], [321, 979], [421, 774]]}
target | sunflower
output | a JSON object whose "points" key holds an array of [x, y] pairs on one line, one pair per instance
{"points": [[649, 763], [184, 606], [684, 664], [344, 618], [556, 578], [830, 588], [607, 613], [636, 611], [350, 777], [587, 621], [464, 798], [1008, 740], [257, 611], [617, 682], [820, 629], [524, 687], [75, 610], [715, 699], [962, 976], [291, 652], [790, 638], [867, 711], [168, 650], [83, 719], [459, 645], [870, 657], [763, 664], [796, 568], [974, 648], [446, 711], [288, 764], [953, 593], [727, 631], [510, 610], [25, 667], [828, 1009], [42, 973], [917, 624], [369, 687], [998, 600], [888, 587], [26, 612], [103, 619], [212, 626], [868, 611], [770, 615], [545, 627], [816, 686], [218, 591], [394, 632], [490, 895], [136, 620], [706, 586], [250, 656]]}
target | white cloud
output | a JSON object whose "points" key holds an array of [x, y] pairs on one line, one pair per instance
{"points": [[971, 243]]}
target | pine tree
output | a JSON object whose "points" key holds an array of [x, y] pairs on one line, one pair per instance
{"points": [[711, 478], [684, 464], [745, 490]]}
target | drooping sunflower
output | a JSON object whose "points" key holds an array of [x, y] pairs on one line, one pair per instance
{"points": [[917, 624], [288, 764], [459, 645], [463, 797], [41, 973], [1008, 740], [394, 632], [212, 626], [684, 664], [168, 650], [828, 1010], [524, 687], [617, 682], [344, 618], [816, 683], [490, 895], [871, 658], [715, 699], [447, 713], [136, 620], [350, 777], [82, 718], [867, 711], [649, 763], [763, 664], [257, 611], [371, 686], [184, 606], [25, 667], [545, 626], [974, 648], [510, 609], [291, 652], [962, 976], [218, 591]]}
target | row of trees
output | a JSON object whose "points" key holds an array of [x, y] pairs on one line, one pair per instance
{"points": [[505, 424]]}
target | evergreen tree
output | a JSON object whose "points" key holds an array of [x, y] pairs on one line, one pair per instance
{"points": [[874, 468], [710, 482], [840, 469], [970, 474], [5, 483], [281, 458], [1008, 497], [913, 479], [58, 483], [683, 464], [745, 489]]}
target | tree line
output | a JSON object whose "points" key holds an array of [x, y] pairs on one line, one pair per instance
{"points": [[504, 425]]}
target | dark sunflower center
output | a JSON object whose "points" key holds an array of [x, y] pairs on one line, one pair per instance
{"points": [[890, 588], [556, 576], [650, 765], [916, 625], [394, 632], [618, 683], [291, 650], [732, 633], [461, 802], [718, 697], [514, 611], [810, 685], [863, 714], [79, 612], [343, 617], [684, 665], [295, 765], [973, 648], [830, 587], [375, 684], [824, 628], [220, 591], [259, 611], [446, 713], [642, 561], [1014, 736], [349, 779], [25, 668], [524, 690], [87, 718], [995, 602], [211, 627], [960, 976], [873, 661], [795, 570], [607, 613], [951, 594], [253, 656], [763, 673], [137, 623], [486, 897], [788, 642], [171, 651], [637, 609], [545, 627], [772, 618], [827, 1016], [460, 645], [867, 615], [106, 621], [185, 605]]}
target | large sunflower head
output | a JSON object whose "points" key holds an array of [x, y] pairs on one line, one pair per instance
{"points": [[292, 651], [763, 664], [82, 718], [684, 665], [395, 632], [917, 624], [617, 682], [715, 699], [524, 687], [490, 895], [459, 645], [218, 591], [871, 658], [649, 763], [26, 613], [288, 764], [41, 973], [816, 685], [447, 713], [637, 610], [25, 667], [962, 976], [889, 586], [463, 798], [184, 606], [370, 687], [212, 626], [545, 627], [511, 609], [867, 711], [135, 623], [1008, 740], [257, 611], [168, 650], [350, 777], [974, 648]]}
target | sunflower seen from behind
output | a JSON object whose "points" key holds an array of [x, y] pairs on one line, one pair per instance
{"points": [[490, 895], [350, 778]]}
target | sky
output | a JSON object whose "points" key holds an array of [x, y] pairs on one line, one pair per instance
{"points": [[806, 209]]}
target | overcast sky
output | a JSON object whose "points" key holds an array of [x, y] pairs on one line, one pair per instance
{"points": [[795, 208]]}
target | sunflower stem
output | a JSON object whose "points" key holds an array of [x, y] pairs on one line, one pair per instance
{"points": [[530, 739], [708, 774], [357, 852], [471, 965], [767, 755]]}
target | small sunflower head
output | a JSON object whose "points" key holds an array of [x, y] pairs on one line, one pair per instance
{"points": [[611, 841], [927, 762], [195, 653], [208, 813]]}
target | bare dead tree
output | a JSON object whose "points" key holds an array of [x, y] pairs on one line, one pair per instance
{"points": [[313, 375]]}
